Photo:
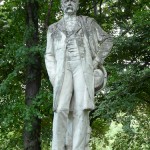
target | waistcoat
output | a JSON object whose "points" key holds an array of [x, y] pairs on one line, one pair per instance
{"points": [[71, 47]]}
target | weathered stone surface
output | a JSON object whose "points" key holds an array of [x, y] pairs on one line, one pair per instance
{"points": [[76, 46]]}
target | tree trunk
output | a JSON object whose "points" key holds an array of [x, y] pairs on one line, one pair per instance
{"points": [[33, 78], [95, 7], [101, 2], [48, 14]]}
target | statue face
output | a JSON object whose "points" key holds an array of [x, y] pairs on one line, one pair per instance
{"points": [[70, 6]]}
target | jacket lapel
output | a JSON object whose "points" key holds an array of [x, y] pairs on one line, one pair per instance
{"points": [[61, 26]]}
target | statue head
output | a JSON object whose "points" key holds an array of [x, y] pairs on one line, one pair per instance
{"points": [[70, 7]]}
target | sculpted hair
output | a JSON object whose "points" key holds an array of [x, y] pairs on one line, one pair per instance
{"points": [[76, 1]]}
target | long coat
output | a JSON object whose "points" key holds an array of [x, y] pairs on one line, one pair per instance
{"points": [[93, 44]]}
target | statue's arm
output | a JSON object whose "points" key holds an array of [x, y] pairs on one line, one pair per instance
{"points": [[49, 57], [105, 42]]}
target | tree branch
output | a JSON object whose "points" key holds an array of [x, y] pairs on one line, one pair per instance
{"points": [[92, 7], [101, 7], [48, 14]]}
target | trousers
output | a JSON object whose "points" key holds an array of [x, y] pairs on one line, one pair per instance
{"points": [[70, 127]]}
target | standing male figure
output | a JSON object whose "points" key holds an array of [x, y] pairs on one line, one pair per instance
{"points": [[76, 45]]}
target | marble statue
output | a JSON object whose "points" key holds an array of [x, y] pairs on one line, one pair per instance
{"points": [[76, 48]]}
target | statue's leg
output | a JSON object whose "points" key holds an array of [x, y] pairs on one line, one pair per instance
{"points": [[80, 126], [59, 130], [61, 114], [80, 116], [88, 136], [69, 131], [69, 134]]}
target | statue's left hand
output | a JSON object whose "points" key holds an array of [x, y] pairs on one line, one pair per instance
{"points": [[95, 64]]}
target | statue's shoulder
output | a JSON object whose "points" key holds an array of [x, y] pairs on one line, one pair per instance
{"points": [[87, 20], [52, 28]]}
